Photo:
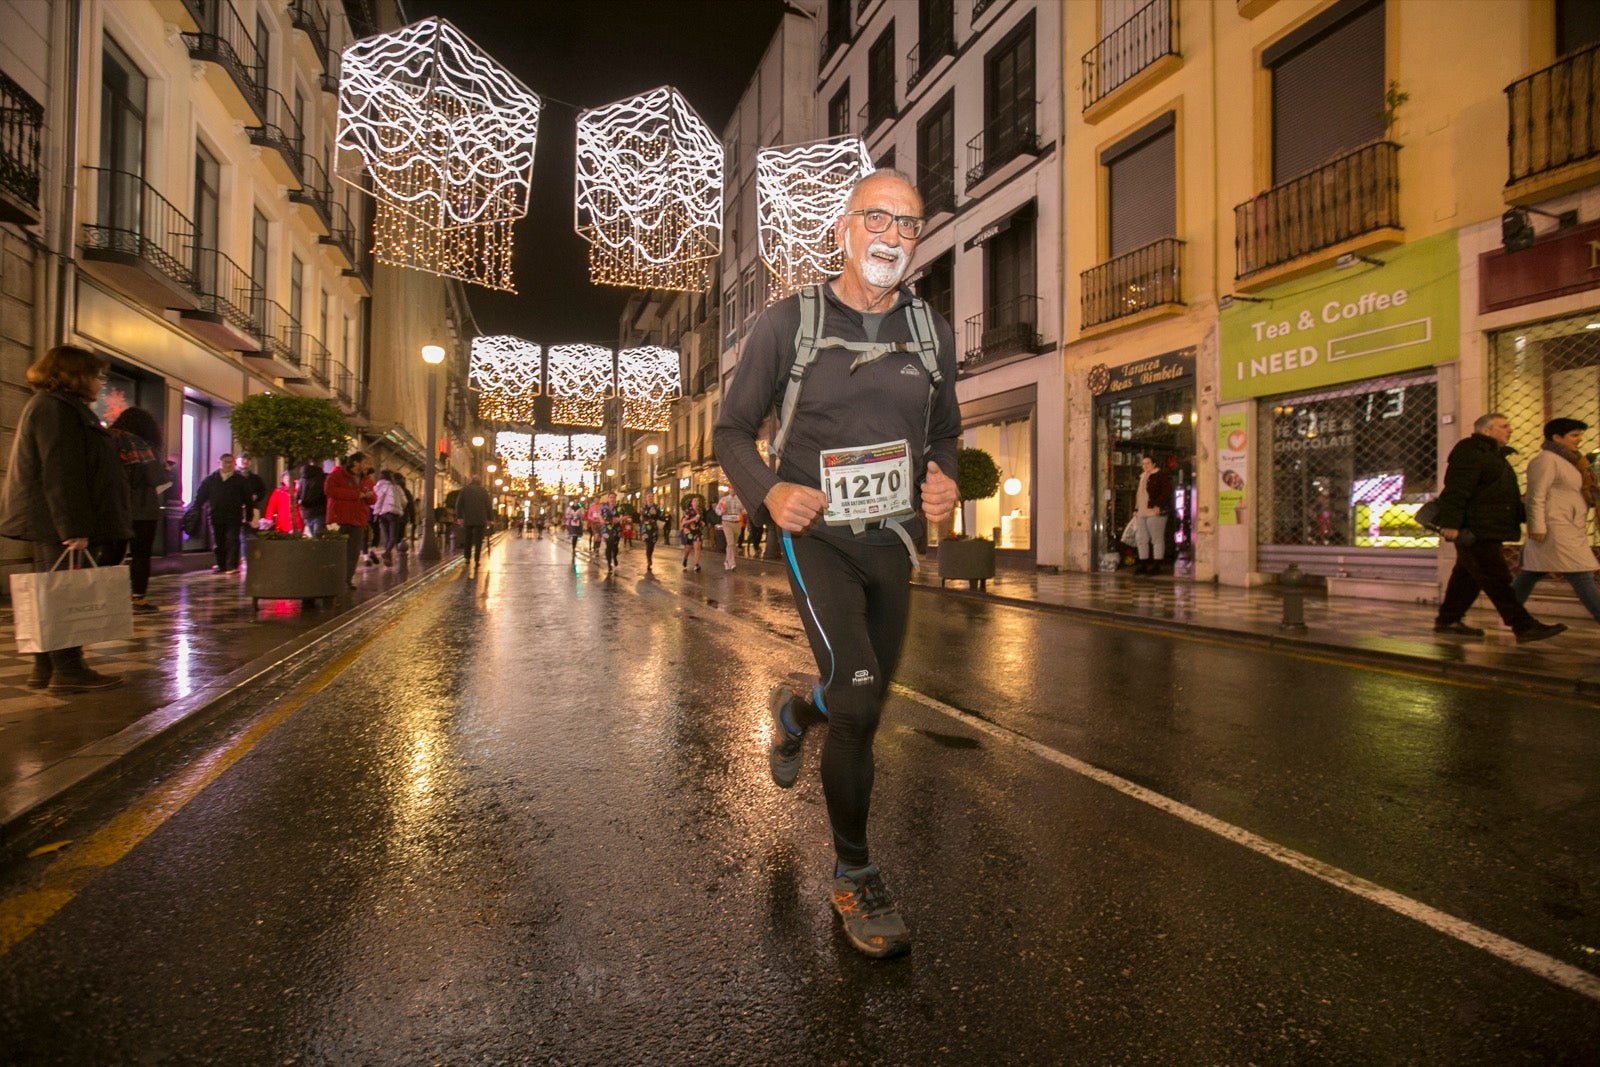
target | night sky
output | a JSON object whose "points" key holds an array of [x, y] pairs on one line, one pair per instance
{"points": [[583, 53]]}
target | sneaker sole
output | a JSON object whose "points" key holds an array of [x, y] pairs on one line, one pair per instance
{"points": [[785, 769]]}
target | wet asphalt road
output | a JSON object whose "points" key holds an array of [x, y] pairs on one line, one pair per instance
{"points": [[529, 821]]}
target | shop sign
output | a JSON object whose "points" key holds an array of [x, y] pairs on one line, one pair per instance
{"points": [[1157, 370], [1233, 458], [1344, 326], [1555, 266]]}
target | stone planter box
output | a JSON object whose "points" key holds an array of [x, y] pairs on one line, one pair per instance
{"points": [[293, 568], [968, 559]]}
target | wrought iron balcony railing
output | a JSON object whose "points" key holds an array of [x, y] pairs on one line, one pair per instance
{"points": [[131, 219], [1353, 195], [1554, 117], [314, 191], [317, 362], [1149, 34], [341, 232], [228, 291], [311, 18], [280, 131], [1008, 134], [224, 40], [280, 333], [1145, 278], [1005, 329], [21, 117], [836, 38], [924, 54]]}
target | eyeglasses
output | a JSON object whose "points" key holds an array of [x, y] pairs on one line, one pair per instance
{"points": [[876, 220]]}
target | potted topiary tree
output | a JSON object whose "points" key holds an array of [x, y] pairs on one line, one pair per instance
{"points": [[970, 559], [300, 429]]}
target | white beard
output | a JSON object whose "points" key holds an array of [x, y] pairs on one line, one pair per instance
{"points": [[877, 273]]}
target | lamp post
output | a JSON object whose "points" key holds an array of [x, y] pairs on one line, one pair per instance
{"points": [[651, 450], [432, 355]]}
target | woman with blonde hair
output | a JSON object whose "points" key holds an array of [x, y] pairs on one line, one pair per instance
{"points": [[65, 488]]}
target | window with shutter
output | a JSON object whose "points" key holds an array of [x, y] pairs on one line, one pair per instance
{"points": [[936, 157], [839, 112], [1327, 88], [1142, 187], [880, 78], [937, 285]]}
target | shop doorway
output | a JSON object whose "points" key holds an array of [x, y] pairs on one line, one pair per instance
{"points": [[1160, 424]]}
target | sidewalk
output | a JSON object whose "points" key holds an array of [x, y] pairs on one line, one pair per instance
{"points": [[207, 640]]}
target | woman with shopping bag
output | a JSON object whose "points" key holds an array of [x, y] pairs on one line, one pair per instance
{"points": [[65, 492]]}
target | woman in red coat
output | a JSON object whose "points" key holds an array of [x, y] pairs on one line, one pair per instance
{"points": [[283, 514], [350, 493]]}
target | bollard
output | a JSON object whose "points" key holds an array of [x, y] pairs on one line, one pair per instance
{"points": [[1292, 584]]}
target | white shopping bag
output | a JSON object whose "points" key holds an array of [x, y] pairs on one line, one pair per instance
{"points": [[68, 605]]}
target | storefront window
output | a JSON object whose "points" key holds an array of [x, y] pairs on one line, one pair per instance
{"points": [[1545, 371], [1351, 465], [1158, 423], [1008, 511]]}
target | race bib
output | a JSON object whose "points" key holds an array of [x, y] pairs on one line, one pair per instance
{"points": [[866, 484]]}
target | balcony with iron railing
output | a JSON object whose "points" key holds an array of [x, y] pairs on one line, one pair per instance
{"points": [[135, 240], [315, 192], [229, 300], [341, 235], [311, 19], [1008, 328], [1129, 285], [925, 56], [21, 118], [1553, 130], [224, 45], [878, 108], [1134, 54], [1347, 205], [1008, 135], [937, 184], [317, 369], [833, 41], [280, 131], [281, 350]]}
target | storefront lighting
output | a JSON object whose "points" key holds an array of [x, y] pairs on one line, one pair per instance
{"points": [[1175, 418], [649, 193], [1013, 486]]}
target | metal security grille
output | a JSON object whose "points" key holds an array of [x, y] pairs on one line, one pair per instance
{"points": [[1348, 468], [1545, 371]]}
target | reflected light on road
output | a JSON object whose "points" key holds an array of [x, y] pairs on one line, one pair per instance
{"points": [[182, 665]]}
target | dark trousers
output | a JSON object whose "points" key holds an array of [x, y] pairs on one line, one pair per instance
{"points": [[854, 600], [137, 553], [355, 543], [472, 545], [225, 537], [390, 523], [1481, 567]]}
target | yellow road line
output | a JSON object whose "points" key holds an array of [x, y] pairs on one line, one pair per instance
{"points": [[76, 867]]}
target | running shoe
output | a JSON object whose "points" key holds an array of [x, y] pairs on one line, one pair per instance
{"points": [[783, 752], [871, 921]]}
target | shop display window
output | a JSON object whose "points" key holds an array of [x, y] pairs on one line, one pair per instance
{"points": [[1350, 466], [1006, 516]]}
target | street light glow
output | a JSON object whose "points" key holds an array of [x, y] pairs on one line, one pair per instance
{"points": [[432, 355]]}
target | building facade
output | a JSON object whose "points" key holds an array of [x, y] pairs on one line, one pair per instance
{"points": [[183, 217]]}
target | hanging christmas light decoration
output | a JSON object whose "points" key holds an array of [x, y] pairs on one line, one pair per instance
{"points": [[505, 370], [510, 445], [800, 193], [649, 193], [580, 379], [648, 382], [446, 136], [548, 447], [589, 448]]}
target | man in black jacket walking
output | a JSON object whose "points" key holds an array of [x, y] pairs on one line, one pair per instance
{"points": [[1480, 509], [231, 498]]}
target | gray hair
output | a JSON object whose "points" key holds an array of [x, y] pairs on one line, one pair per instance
{"points": [[881, 172], [1484, 420]]}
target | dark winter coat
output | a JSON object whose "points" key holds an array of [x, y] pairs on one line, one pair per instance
{"points": [[145, 471], [1480, 491], [472, 505], [231, 498], [64, 480]]}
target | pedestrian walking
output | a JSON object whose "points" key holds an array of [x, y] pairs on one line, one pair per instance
{"points": [[572, 521], [1561, 490], [732, 515], [389, 505], [611, 533], [313, 504], [64, 489], [690, 530], [1480, 509], [230, 497], [472, 515], [283, 511], [1152, 504], [349, 491], [867, 376], [140, 445]]}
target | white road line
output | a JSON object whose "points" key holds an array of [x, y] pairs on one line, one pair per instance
{"points": [[1562, 974]]}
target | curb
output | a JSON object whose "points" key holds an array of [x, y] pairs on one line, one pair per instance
{"points": [[22, 802]]}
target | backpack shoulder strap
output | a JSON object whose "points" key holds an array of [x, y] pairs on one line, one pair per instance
{"points": [[923, 336], [805, 353]]}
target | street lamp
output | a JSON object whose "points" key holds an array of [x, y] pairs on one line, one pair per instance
{"points": [[651, 450], [432, 355]]}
